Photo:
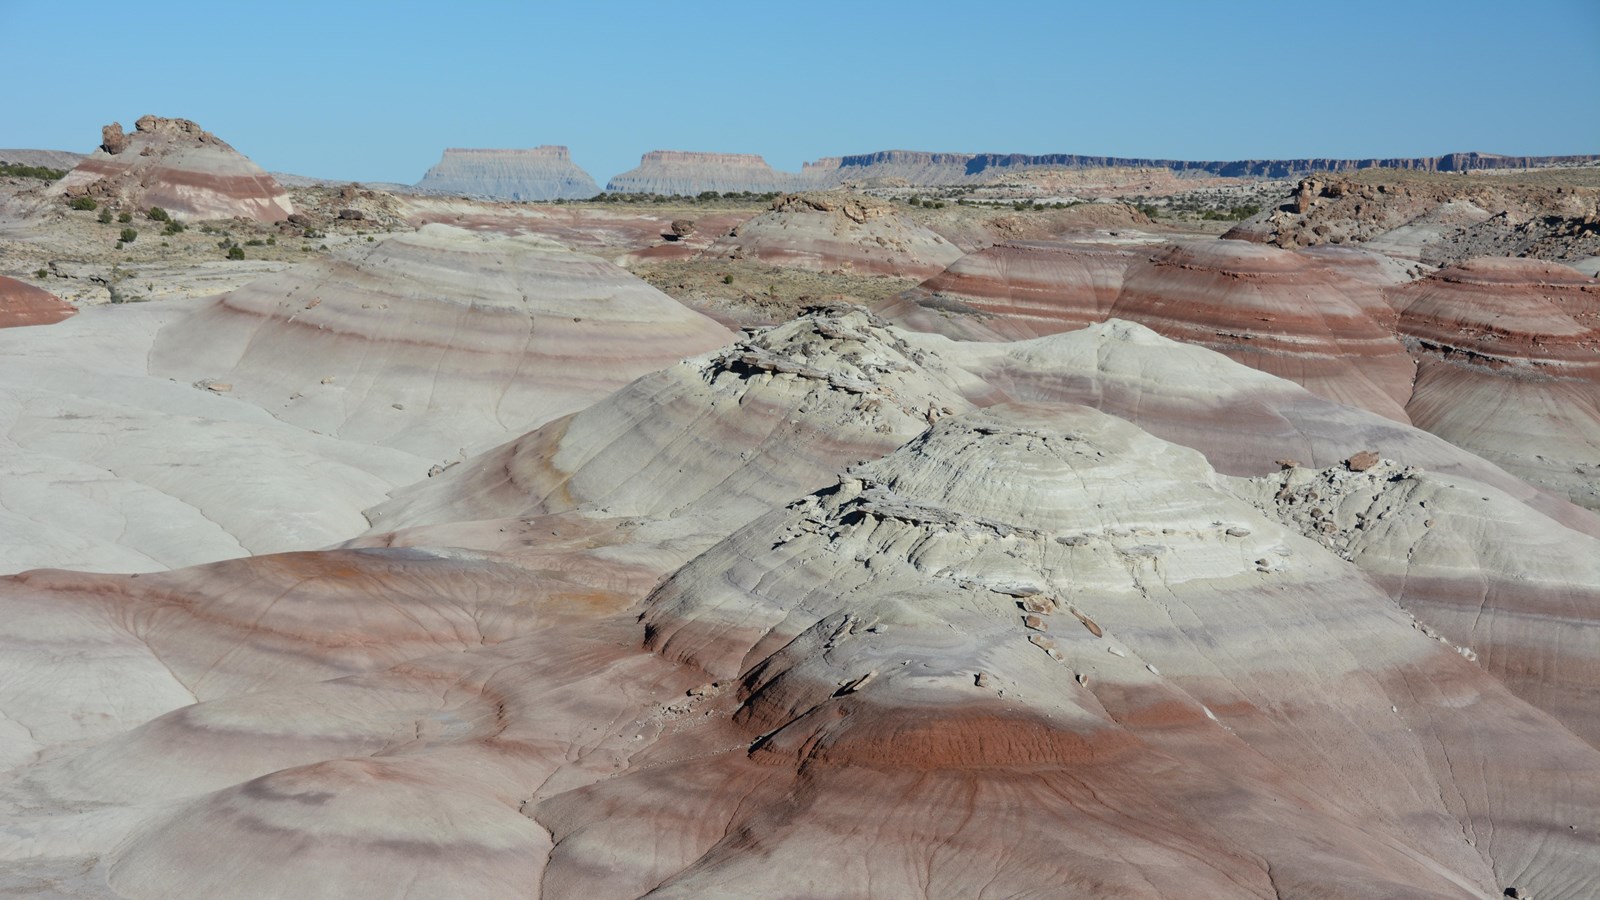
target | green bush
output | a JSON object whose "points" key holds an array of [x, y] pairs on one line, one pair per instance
{"points": [[42, 274], [105, 216], [82, 203], [17, 170], [272, 241], [173, 227], [255, 242], [129, 235], [158, 214], [727, 279], [236, 253], [124, 217]]}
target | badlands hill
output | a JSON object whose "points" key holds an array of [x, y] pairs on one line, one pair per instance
{"points": [[1495, 354], [1031, 647], [838, 231], [180, 167], [435, 554], [540, 173]]}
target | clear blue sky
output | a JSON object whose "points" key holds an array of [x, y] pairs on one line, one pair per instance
{"points": [[374, 91]]}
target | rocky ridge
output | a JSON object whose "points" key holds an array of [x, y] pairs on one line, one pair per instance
{"points": [[180, 167]]}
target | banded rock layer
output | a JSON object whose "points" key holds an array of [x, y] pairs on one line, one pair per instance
{"points": [[1317, 319], [436, 341], [180, 167], [23, 304], [1508, 355]]}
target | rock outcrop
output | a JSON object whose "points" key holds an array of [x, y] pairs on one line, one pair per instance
{"points": [[180, 167], [540, 173], [689, 173], [23, 304], [838, 232], [1438, 221]]}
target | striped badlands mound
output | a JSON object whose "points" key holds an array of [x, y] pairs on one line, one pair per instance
{"points": [[1315, 318], [838, 233], [1508, 357], [143, 436], [23, 304], [1029, 649], [435, 341], [180, 167]]}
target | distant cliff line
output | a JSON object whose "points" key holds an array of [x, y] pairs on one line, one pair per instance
{"points": [[956, 167]]}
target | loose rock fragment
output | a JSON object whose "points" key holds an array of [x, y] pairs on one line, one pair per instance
{"points": [[1362, 461], [1089, 624]]}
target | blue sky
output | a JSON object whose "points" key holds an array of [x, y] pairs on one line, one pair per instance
{"points": [[375, 91]]}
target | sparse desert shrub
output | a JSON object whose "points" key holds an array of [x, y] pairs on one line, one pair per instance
{"points": [[173, 227], [158, 214], [129, 235], [41, 273], [272, 241], [124, 217], [255, 242], [236, 253], [82, 203], [727, 279], [17, 170], [105, 216]]}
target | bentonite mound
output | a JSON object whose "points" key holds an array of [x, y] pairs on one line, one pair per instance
{"points": [[688, 173], [1035, 649], [1016, 290], [1317, 319], [839, 232], [540, 173], [437, 340], [180, 167], [725, 435], [1509, 367], [23, 304]]}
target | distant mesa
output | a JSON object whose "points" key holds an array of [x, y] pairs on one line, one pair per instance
{"points": [[922, 168], [182, 168], [687, 173], [538, 173], [23, 304]]}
